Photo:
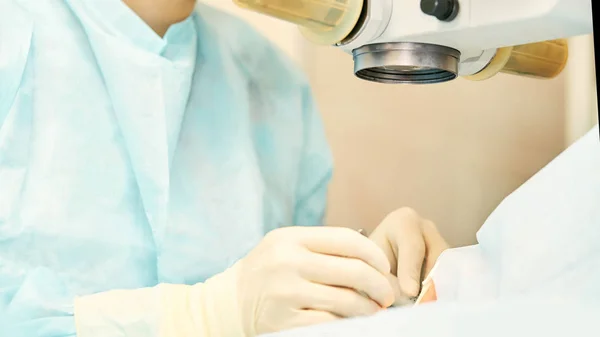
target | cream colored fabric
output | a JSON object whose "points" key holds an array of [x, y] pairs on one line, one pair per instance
{"points": [[167, 310]]}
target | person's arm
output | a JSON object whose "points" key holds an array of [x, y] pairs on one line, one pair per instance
{"points": [[37, 303], [296, 276], [41, 305], [316, 166], [167, 310]]}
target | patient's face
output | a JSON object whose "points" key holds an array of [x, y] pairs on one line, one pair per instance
{"points": [[428, 293]]}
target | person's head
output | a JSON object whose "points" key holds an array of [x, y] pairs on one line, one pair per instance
{"points": [[161, 14]]}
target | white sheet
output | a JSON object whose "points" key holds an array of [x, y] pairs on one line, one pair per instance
{"points": [[535, 271]]}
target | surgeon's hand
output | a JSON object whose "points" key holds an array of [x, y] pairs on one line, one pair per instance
{"points": [[300, 276], [412, 245], [296, 276]]}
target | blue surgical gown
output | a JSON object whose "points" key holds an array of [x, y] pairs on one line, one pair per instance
{"points": [[128, 160]]}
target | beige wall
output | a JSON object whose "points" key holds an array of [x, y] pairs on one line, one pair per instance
{"points": [[452, 151]]}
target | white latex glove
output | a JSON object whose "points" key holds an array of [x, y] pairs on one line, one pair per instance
{"points": [[412, 245], [296, 276], [302, 276]]}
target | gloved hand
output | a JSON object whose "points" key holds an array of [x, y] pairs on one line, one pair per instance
{"points": [[412, 245], [301, 276], [296, 276]]}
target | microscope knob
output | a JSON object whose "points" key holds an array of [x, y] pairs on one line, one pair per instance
{"points": [[443, 10]]}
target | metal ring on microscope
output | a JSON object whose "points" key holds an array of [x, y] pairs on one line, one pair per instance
{"points": [[406, 63]]}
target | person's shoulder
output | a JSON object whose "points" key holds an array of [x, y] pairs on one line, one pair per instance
{"points": [[259, 57]]}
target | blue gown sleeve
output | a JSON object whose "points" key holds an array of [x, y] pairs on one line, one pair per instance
{"points": [[32, 303], [316, 167], [284, 79], [38, 304]]}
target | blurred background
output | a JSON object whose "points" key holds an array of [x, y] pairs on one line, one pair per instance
{"points": [[451, 151]]}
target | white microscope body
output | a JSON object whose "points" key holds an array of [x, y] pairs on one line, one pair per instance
{"points": [[432, 41]]}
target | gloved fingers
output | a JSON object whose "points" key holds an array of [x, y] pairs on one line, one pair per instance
{"points": [[379, 237], [435, 246], [309, 317], [294, 318], [345, 242], [400, 298], [411, 255], [348, 273], [403, 231], [339, 301]]}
